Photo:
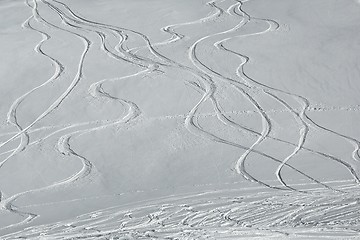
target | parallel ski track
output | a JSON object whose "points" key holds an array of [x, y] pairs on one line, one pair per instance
{"points": [[210, 87], [183, 216], [304, 121], [64, 145], [300, 117], [7, 203], [240, 165]]}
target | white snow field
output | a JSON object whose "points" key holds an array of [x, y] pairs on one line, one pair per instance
{"points": [[179, 119]]}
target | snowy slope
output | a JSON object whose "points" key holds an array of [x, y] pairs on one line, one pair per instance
{"points": [[134, 119]]}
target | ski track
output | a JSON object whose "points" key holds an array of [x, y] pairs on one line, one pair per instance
{"points": [[240, 165], [210, 215], [7, 203], [190, 216], [64, 141]]}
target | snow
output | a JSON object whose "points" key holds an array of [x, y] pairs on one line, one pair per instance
{"points": [[140, 119]]}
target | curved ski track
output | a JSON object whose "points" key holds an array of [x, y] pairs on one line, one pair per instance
{"points": [[192, 216]]}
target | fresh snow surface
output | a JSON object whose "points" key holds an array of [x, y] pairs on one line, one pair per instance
{"points": [[179, 119]]}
